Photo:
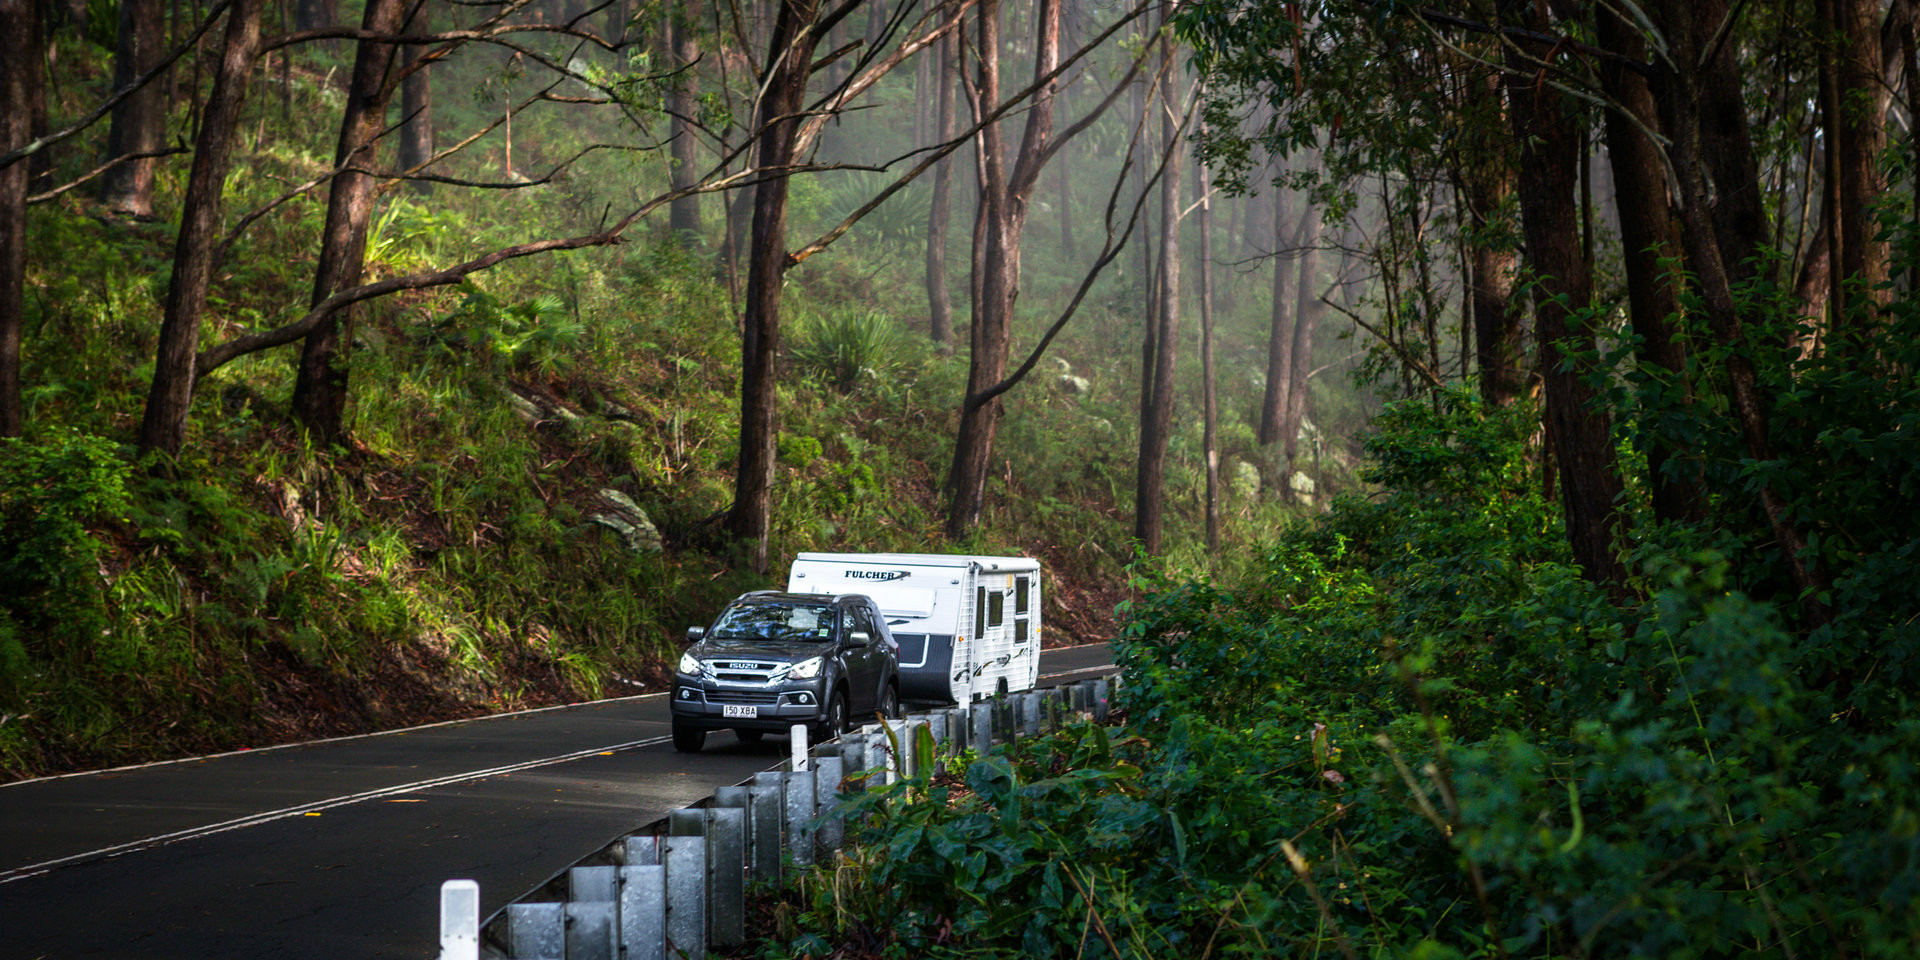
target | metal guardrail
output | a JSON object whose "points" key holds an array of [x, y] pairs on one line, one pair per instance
{"points": [[678, 885]]}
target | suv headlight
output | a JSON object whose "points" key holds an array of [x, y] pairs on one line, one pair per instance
{"points": [[806, 669], [691, 666]]}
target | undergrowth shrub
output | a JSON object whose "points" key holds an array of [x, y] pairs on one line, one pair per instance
{"points": [[1416, 731]]}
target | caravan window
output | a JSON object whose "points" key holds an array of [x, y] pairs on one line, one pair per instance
{"points": [[1020, 630], [979, 611], [1020, 596], [995, 601]]}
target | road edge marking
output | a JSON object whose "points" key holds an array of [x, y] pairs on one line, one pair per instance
{"points": [[316, 806]]}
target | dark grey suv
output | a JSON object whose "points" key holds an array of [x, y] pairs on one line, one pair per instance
{"points": [[772, 660]]}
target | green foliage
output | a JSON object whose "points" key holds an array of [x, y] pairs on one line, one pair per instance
{"points": [[55, 490], [847, 346], [1414, 730]]}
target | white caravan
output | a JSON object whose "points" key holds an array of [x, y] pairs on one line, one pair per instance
{"points": [[968, 627]]}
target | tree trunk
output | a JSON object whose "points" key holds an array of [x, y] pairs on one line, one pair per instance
{"points": [[315, 14], [1739, 208], [40, 165], [940, 211], [1273, 403], [1648, 247], [320, 390], [1066, 213], [1860, 135], [683, 213], [1156, 406], [139, 121], [163, 426], [788, 60], [1307, 311], [1499, 323], [416, 104], [1004, 196], [17, 46], [1684, 99], [1209, 403], [1582, 439]]}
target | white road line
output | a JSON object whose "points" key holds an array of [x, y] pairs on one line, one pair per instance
{"points": [[253, 820], [1069, 673], [312, 743]]}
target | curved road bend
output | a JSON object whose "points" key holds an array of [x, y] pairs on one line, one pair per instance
{"points": [[337, 848]]}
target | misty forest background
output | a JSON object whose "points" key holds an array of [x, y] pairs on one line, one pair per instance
{"points": [[1494, 421]]}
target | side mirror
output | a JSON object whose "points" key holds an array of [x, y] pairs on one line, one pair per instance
{"points": [[859, 638], [695, 634]]}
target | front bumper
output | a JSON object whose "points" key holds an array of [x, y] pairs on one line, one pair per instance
{"points": [[776, 708]]}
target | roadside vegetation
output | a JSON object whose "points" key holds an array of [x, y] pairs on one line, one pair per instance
{"points": [[1412, 728]]}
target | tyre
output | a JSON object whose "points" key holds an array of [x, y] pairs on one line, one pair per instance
{"points": [[688, 739], [890, 702], [835, 722], [749, 736]]}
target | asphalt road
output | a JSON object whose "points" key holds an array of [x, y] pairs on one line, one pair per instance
{"points": [[337, 849]]}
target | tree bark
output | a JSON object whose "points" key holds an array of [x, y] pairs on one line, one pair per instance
{"points": [[1307, 311], [1487, 175], [1209, 401], [789, 58], [1273, 402], [1683, 101], [1004, 196], [21, 56], [320, 389], [416, 105], [1648, 247], [1859, 132], [683, 214], [139, 121], [1582, 439], [940, 210], [163, 426], [1156, 405]]}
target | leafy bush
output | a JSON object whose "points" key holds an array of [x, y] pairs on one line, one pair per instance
{"points": [[1416, 731], [55, 490], [847, 346]]}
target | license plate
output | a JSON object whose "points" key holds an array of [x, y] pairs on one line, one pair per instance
{"points": [[737, 711]]}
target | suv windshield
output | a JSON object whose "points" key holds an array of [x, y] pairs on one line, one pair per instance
{"points": [[775, 621]]}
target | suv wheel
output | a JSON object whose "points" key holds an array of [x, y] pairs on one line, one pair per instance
{"points": [[835, 722], [890, 702], [688, 739]]}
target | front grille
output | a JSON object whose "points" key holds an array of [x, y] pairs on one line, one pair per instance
{"points": [[742, 696]]}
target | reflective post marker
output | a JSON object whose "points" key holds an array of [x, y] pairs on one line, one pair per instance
{"points": [[460, 920]]}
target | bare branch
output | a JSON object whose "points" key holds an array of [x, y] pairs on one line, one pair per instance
{"points": [[936, 153], [1107, 253], [217, 356], [14, 156], [103, 168]]}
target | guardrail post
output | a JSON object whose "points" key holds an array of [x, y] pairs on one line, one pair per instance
{"points": [[643, 911], [460, 920], [592, 885], [766, 806], [640, 851], [827, 773], [687, 895], [1101, 708], [536, 931], [799, 817], [590, 931], [980, 738], [727, 891], [878, 750]]}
